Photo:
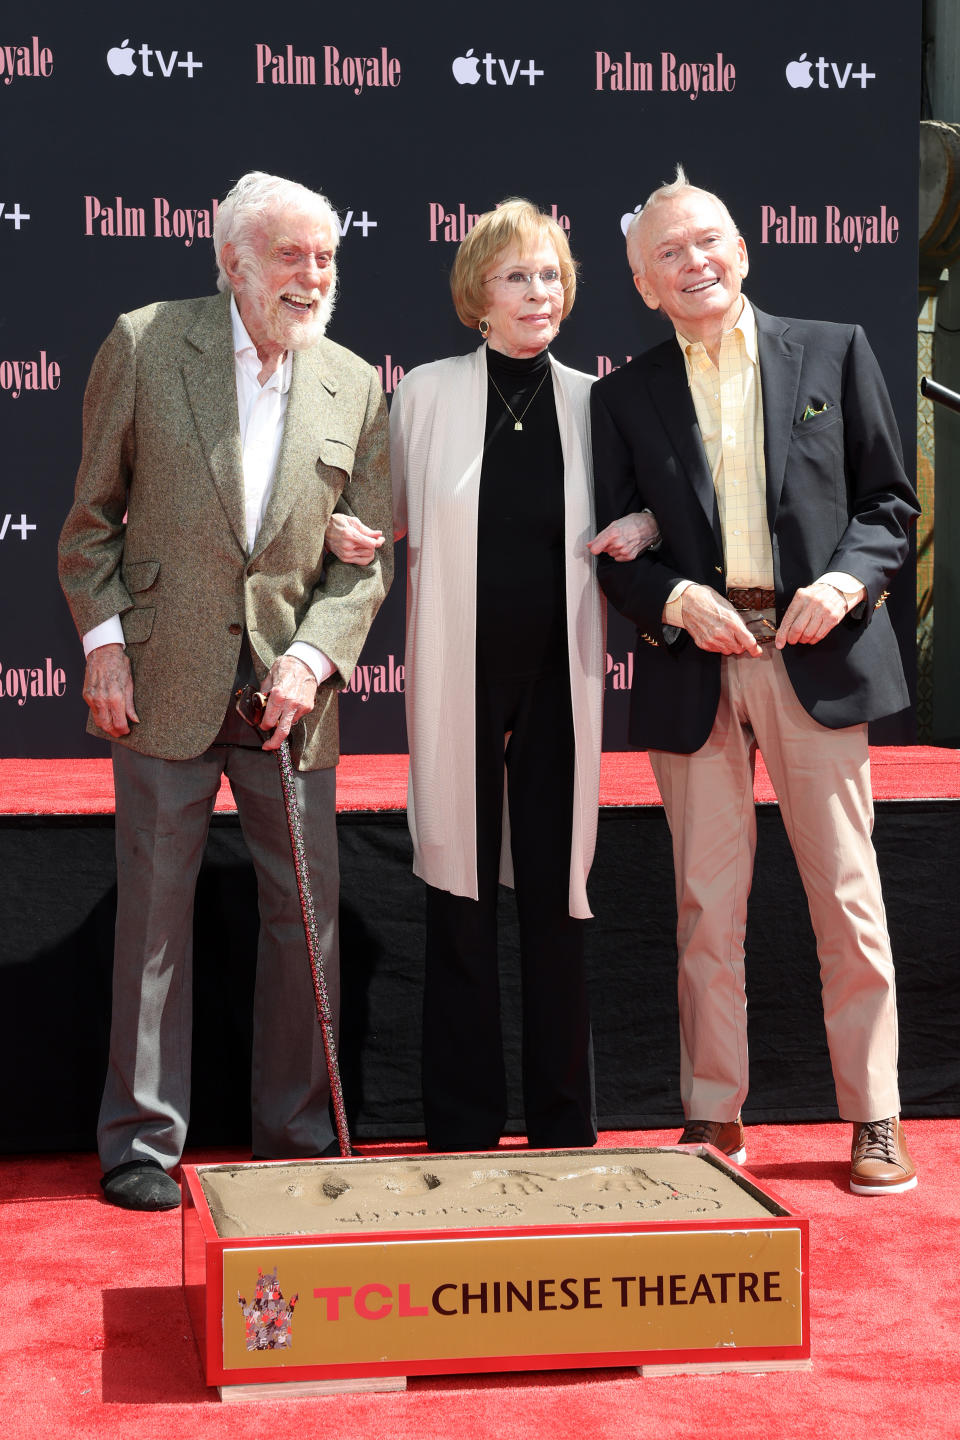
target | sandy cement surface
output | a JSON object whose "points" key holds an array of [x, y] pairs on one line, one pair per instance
{"points": [[322, 1197]]}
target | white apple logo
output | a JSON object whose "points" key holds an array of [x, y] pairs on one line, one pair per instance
{"points": [[798, 73], [626, 219], [120, 59], [466, 68]]}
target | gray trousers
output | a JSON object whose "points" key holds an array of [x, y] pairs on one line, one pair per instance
{"points": [[163, 810]]}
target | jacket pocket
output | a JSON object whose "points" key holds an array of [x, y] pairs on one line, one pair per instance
{"points": [[816, 423], [338, 454], [139, 575], [138, 624]]}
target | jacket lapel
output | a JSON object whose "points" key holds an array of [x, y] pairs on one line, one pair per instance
{"points": [[310, 419], [780, 362], [671, 396], [209, 374]]}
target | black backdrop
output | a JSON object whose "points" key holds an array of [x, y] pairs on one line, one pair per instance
{"points": [[583, 111], [56, 947]]}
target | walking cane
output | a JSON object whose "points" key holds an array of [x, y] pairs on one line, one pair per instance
{"points": [[250, 706]]}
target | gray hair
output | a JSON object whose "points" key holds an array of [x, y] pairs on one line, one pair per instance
{"points": [[676, 186], [255, 197]]}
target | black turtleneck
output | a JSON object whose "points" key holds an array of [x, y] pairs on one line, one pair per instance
{"points": [[521, 610]]}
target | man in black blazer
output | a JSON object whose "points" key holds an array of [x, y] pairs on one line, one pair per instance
{"points": [[768, 452]]}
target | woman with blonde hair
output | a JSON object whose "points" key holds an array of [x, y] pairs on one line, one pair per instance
{"points": [[492, 483]]}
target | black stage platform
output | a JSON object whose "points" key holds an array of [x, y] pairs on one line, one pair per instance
{"points": [[56, 948]]}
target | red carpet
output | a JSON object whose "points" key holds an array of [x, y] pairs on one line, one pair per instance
{"points": [[96, 1340], [379, 782]]}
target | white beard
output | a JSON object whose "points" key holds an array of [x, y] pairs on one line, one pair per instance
{"points": [[281, 325]]}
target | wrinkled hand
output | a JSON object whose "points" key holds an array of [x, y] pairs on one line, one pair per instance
{"points": [[351, 540], [108, 690], [626, 538], [812, 613], [291, 688], [714, 624]]}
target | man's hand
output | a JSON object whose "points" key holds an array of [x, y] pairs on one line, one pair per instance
{"points": [[108, 690], [291, 688], [624, 539], [812, 613], [351, 540], [714, 624]]}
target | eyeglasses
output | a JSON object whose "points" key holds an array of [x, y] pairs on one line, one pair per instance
{"points": [[517, 280]]}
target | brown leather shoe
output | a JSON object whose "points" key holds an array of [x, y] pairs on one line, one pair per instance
{"points": [[880, 1162], [725, 1135]]}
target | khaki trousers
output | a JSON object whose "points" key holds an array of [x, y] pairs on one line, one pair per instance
{"points": [[822, 781]]}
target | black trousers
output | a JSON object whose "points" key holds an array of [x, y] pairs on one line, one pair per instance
{"points": [[464, 1083]]}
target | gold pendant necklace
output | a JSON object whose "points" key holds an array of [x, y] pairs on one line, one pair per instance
{"points": [[518, 419]]}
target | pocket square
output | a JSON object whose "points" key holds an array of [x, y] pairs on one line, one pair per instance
{"points": [[812, 410]]}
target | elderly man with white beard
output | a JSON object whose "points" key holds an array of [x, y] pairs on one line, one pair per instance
{"points": [[219, 436]]}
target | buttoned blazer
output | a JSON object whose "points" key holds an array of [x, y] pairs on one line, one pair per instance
{"points": [[157, 531], [837, 499]]}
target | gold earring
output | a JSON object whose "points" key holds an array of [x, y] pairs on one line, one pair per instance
{"points": [[484, 328]]}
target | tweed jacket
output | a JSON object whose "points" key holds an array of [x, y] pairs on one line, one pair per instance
{"points": [[436, 435], [157, 535], [837, 499]]}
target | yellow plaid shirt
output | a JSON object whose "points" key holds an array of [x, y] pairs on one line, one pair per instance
{"points": [[729, 405]]}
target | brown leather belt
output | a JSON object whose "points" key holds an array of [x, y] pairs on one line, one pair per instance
{"points": [[752, 599]]}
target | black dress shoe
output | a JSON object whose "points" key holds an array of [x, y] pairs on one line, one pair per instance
{"points": [[140, 1185]]}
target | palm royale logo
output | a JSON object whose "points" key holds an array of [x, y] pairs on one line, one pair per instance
{"points": [[25, 62], [390, 374], [618, 674], [117, 219], [32, 682], [669, 74], [16, 376], [349, 72], [790, 226], [456, 222], [368, 680]]}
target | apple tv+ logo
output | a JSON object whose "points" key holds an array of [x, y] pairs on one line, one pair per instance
{"points": [[467, 70], [627, 220], [799, 73], [121, 60]]}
